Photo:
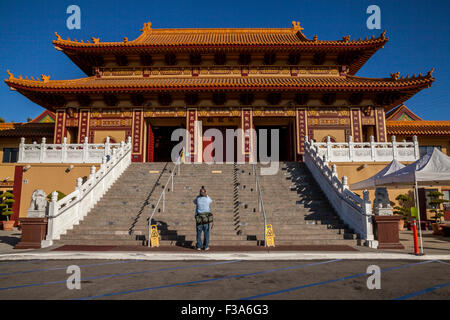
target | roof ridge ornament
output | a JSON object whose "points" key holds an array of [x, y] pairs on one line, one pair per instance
{"points": [[10, 74], [45, 78], [430, 73], [346, 38], [296, 26], [383, 35], [395, 75], [58, 37], [95, 40], [147, 27]]}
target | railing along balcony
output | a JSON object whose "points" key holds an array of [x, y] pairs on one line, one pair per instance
{"points": [[368, 151], [66, 153]]}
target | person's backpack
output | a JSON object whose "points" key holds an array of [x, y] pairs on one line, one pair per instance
{"points": [[204, 218]]}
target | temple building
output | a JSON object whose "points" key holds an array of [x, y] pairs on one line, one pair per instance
{"points": [[261, 78]]}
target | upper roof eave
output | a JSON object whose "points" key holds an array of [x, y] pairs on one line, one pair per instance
{"points": [[220, 37], [163, 83]]}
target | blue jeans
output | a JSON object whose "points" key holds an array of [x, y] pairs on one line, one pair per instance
{"points": [[203, 228]]}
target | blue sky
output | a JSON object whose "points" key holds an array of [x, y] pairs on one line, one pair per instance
{"points": [[418, 33]]}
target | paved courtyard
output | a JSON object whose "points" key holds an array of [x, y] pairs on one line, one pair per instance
{"points": [[209, 278], [232, 279]]}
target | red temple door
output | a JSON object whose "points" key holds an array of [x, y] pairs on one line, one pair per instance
{"points": [[210, 156]]}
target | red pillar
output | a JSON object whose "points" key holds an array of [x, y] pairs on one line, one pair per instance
{"points": [[17, 191], [150, 144]]}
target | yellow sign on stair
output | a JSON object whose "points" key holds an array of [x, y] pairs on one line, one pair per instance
{"points": [[270, 236], [154, 236]]}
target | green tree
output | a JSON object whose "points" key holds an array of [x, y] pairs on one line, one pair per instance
{"points": [[6, 202], [404, 208]]}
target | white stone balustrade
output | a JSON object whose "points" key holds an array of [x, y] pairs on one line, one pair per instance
{"points": [[368, 151], [354, 211], [71, 209], [64, 152]]}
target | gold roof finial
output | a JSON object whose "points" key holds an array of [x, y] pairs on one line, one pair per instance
{"points": [[346, 38], [296, 26], [315, 38], [45, 78], [395, 76], [147, 27], [58, 37], [95, 40], [383, 35], [125, 39], [430, 73], [11, 76]]}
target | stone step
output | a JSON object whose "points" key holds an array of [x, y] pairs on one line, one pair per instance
{"points": [[294, 205]]}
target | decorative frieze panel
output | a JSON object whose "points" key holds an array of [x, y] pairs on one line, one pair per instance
{"points": [[326, 112], [244, 70], [111, 122], [163, 113], [274, 113], [219, 113], [328, 121], [110, 113]]}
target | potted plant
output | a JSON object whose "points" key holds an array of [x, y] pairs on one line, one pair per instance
{"points": [[435, 203], [60, 195], [403, 209], [6, 202]]}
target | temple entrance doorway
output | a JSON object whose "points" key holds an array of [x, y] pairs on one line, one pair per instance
{"points": [[214, 156], [221, 124], [286, 140], [159, 134]]}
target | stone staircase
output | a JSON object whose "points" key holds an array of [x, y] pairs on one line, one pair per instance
{"points": [[294, 205]]}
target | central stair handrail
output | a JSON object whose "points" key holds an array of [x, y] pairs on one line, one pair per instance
{"points": [[260, 201], [163, 193]]}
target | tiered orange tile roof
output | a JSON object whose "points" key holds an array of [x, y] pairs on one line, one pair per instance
{"points": [[220, 37], [419, 127], [217, 39], [346, 83], [27, 129]]}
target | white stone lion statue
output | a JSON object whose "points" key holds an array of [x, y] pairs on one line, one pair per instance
{"points": [[38, 206]]}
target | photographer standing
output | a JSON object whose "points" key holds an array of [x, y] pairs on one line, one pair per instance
{"points": [[203, 218]]}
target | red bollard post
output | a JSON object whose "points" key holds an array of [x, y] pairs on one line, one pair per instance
{"points": [[416, 242]]}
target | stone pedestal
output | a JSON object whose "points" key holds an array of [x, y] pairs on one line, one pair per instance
{"points": [[386, 232], [34, 231]]}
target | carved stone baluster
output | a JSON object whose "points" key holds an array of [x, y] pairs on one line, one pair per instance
{"points": [[85, 150], [64, 150]]}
